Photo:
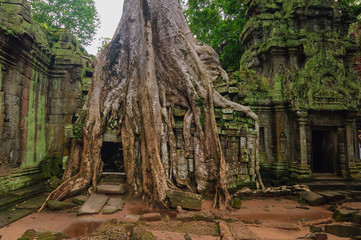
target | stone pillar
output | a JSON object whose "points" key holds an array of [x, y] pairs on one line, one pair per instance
{"points": [[293, 53], [303, 170], [351, 143]]}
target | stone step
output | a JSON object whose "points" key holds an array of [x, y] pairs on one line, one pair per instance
{"points": [[20, 195], [113, 205], [326, 177], [113, 177], [327, 185], [332, 195], [94, 204], [111, 189], [334, 185]]}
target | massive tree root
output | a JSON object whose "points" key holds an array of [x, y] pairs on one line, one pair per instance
{"points": [[152, 65]]}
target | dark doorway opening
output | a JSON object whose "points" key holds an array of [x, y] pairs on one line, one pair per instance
{"points": [[323, 151], [112, 157]]}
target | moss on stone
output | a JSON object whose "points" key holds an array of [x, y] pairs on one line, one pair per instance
{"points": [[140, 233]]}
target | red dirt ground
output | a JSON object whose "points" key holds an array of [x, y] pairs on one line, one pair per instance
{"points": [[268, 218]]}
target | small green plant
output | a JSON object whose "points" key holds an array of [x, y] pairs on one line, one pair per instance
{"points": [[78, 126]]}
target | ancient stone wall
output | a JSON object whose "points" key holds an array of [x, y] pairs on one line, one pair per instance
{"points": [[238, 141], [41, 76], [305, 89]]}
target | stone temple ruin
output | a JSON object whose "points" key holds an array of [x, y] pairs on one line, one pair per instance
{"points": [[308, 108], [297, 74]]}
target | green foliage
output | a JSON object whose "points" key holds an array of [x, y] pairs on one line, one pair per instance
{"points": [[353, 7], [104, 42], [78, 16], [218, 23], [78, 126]]}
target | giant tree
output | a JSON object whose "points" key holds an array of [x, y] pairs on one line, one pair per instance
{"points": [[152, 65]]}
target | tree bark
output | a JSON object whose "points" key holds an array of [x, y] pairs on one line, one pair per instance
{"points": [[152, 65]]}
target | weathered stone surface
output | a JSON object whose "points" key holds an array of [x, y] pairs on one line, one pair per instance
{"points": [[198, 216], [331, 195], [81, 199], [54, 182], [57, 205], [344, 215], [343, 230], [314, 229], [110, 210], [186, 200], [312, 198], [113, 205], [10, 215], [309, 236], [38, 96], [140, 233], [118, 189], [93, 205], [42, 235], [116, 202], [131, 217], [151, 217]]}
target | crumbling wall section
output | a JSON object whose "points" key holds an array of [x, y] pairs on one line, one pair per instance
{"points": [[40, 90]]}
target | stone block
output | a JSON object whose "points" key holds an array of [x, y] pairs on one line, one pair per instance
{"points": [[312, 198], [57, 106], [343, 230], [117, 189], [343, 215], [185, 200], [79, 200], [131, 217], [57, 205], [140, 233], [314, 229], [223, 89], [227, 110], [113, 205], [218, 113], [54, 182], [94, 204], [226, 116], [233, 90], [56, 119]]}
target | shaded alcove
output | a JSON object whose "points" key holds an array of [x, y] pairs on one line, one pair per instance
{"points": [[112, 157], [323, 151]]}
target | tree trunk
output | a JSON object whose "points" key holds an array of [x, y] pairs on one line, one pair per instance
{"points": [[152, 65]]}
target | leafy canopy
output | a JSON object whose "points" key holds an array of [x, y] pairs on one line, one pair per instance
{"points": [[78, 16], [218, 23]]}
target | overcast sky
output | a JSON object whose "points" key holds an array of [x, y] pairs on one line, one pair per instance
{"points": [[110, 12]]}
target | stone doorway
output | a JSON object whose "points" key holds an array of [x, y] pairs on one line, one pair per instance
{"points": [[112, 156], [323, 151]]}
